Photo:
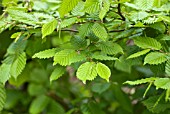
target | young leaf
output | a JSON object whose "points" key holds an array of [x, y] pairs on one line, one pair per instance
{"points": [[38, 105], [87, 71], [163, 83], [139, 53], [18, 65], [2, 96], [105, 9], [48, 28], [67, 56], [67, 6], [103, 71], [46, 53], [147, 42], [68, 22], [100, 31], [155, 58], [141, 81], [91, 6], [57, 73]]}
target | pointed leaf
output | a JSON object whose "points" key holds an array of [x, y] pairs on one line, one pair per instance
{"points": [[57, 73], [46, 53], [103, 71], [147, 42], [48, 28], [18, 65], [67, 6], [141, 81], [39, 104], [139, 53], [87, 71], [100, 31], [163, 83], [155, 58]]}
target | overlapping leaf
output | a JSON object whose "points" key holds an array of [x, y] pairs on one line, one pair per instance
{"points": [[103, 71], [48, 28], [46, 53], [155, 58], [100, 31], [139, 53], [147, 42], [87, 71], [67, 6]]}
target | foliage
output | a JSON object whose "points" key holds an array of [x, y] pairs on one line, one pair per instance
{"points": [[115, 47]]}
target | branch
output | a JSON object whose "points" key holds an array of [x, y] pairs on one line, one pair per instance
{"points": [[117, 30], [120, 13], [70, 30]]}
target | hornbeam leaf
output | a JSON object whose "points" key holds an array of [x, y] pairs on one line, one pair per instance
{"points": [[147, 42], [163, 83], [139, 53], [155, 58], [48, 28], [46, 53], [18, 65], [141, 81], [167, 68], [57, 73], [87, 71], [67, 6], [103, 71], [2, 96], [100, 31]]}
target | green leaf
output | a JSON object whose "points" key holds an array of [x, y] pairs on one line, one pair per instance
{"points": [[39, 104], [57, 73], [48, 28], [145, 4], [139, 53], [78, 10], [165, 18], [87, 71], [156, 104], [100, 87], [155, 58], [22, 17], [105, 9], [2, 96], [110, 48], [167, 68], [147, 42], [103, 57], [5, 69], [141, 81], [46, 53], [78, 42], [163, 83], [100, 31], [67, 56], [103, 71], [18, 65], [85, 29], [92, 6], [68, 22], [67, 6]]}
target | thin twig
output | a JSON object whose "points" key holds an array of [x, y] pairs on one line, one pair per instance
{"points": [[120, 13]]}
